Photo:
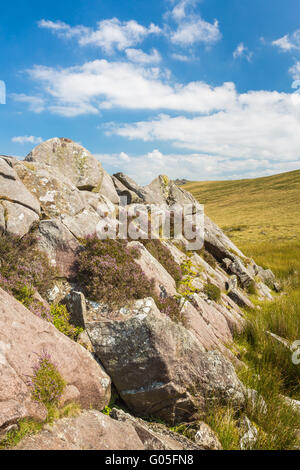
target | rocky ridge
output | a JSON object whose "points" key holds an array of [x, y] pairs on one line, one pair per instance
{"points": [[159, 368]]}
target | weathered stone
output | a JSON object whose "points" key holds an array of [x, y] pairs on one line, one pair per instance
{"points": [[218, 244], [76, 305], [154, 270], [131, 185], [124, 192], [206, 438], [59, 244], [90, 430], [249, 434], [23, 338], [108, 189], [153, 440], [71, 160], [13, 190], [82, 225], [237, 268], [240, 298], [56, 194], [84, 341], [159, 368], [71, 394], [18, 219]]}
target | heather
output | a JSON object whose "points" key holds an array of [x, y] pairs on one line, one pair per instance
{"points": [[22, 264], [106, 271], [46, 383]]}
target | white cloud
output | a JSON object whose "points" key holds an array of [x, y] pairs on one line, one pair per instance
{"points": [[35, 103], [288, 42], [27, 139], [110, 35], [295, 71], [242, 52], [140, 57], [258, 125], [190, 28], [100, 85], [195, 30], [182, 57], [193, 166]]}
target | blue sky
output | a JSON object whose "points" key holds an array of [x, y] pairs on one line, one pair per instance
{"points": [[197, 89]]}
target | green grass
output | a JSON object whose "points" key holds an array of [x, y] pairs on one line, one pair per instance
{"points": [[262, 216], [253, 210]]}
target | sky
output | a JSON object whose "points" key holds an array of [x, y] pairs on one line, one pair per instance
{"points": [[196, 89]]}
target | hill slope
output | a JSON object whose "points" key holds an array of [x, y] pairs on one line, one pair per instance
{"points": [[253, 210]]}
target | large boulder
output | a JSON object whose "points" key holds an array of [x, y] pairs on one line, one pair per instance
{"points": [[71, 160], [59, 244], [158, 367], [19, 209], [23, 338], [56, 194], [153, 436], [90, 430], [164, 283]]}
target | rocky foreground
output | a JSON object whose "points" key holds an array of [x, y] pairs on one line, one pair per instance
{"points": [[160, 367]]}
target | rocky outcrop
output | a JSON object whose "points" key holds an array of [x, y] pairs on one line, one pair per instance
{"points": [[90, 430], [155, 437], [71, 160], [158, 367], [19, 210], [23, 338]]}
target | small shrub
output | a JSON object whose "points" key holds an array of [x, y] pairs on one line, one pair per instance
{"points": [[190, 272], [213, 292], [23, 267], [171, 307], [107, 272], [61, 320], [47, 385], [251, 288], [163, 255], [207, 257]]}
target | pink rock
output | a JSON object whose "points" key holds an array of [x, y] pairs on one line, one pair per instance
{"points": [[23, 337]]}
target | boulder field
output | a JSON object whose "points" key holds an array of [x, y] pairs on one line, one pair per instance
{"points": [[158, 367]]}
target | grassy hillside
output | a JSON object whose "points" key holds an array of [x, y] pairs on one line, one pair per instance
{"points": [[253, 210], [262, 216]]}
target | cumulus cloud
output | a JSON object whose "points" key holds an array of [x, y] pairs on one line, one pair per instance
{"points": [[257, 125], [110, 35], [99, 85], [242, 52], [190, 28], [140, 57], [288, 42], [27, 139]]}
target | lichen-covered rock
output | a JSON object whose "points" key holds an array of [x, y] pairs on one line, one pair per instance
{"points": [[159, 368], [71, 160], [83, 224], [207, 438], [18, 208], [56, 194], [108, 189], [23, 338], [90, 430], [18, 219], [59, 245]]}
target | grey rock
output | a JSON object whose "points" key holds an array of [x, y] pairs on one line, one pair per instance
{"points": [[159, 368]]}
